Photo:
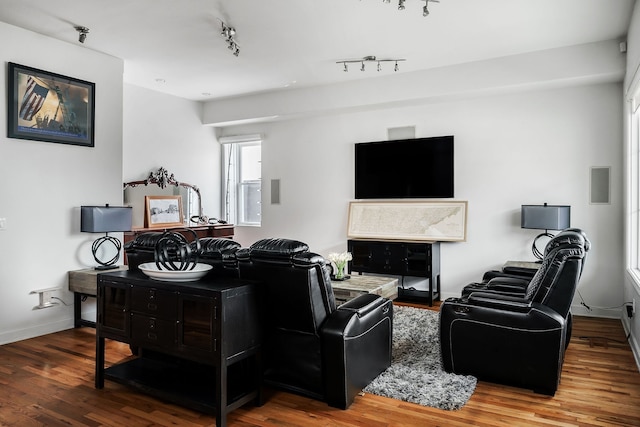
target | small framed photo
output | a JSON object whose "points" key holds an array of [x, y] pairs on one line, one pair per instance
{"points": [[49, 107], [163, 211]]}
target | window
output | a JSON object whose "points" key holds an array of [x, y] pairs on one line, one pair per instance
{"points": [[633, 188], [242, 181]]}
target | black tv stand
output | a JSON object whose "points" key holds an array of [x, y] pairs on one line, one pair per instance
{"points": [[417, 259]]}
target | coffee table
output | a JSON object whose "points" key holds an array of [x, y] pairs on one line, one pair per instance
{"points": [[345, 290]]}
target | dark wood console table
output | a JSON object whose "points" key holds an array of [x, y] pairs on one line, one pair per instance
{"points": [[419, 259], [196, 343]]}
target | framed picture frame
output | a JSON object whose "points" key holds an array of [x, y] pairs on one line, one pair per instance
{"points": [[432, 221], [50, 107], [163, 211]]}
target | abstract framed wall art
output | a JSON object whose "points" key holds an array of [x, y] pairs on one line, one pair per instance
{"points": [[50, 107]]}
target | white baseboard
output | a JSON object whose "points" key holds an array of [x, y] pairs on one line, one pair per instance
{"points": [[35, 331], [580, 310], [633, 342]]}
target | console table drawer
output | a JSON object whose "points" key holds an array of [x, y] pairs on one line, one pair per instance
{"points": [[154, 302], [147, 330]]}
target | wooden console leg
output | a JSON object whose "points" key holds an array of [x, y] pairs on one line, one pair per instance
{"points": [[77, 309], [99, 376]]}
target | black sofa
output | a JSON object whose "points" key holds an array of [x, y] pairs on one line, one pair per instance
{"points": [[219, 252]]}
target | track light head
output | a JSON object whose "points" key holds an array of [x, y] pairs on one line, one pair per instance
{"points": [[82, 33], [425, 8]]}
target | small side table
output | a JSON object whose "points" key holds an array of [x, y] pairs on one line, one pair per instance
{"points": [[527, 268], [84, 284], [346, 290]]}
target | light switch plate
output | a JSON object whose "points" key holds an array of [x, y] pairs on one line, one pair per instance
{"points": [[3, 223]]}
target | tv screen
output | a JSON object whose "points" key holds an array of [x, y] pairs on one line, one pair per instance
{"points": [[408, 168]]}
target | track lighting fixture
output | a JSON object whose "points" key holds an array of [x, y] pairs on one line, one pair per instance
{"points": [[366, 59], [228, 33], [82, 33], [425, 8]]}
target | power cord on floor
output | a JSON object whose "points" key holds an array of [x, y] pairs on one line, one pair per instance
{"points": [[402, 284], [615, 307]]}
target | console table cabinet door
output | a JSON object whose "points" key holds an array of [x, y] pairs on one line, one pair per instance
{"points": [[151, 332], [154, 302], [418, 260], [378, 257], [197, 325], [113, 310]]}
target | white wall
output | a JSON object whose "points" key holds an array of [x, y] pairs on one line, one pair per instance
{"points": [[44, 184], [163, 130], [521, 148]]}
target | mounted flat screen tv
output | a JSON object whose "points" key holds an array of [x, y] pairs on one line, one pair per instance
{"points": [[409, 168]]}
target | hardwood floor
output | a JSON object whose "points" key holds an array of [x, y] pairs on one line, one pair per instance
{"points": [[49, 381]]}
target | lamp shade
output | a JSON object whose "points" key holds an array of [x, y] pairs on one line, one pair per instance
{"points": [[103, 219], [545, 217]]}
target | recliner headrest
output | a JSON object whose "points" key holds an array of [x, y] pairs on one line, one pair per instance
{"points": [[567, 237], [144, 240], [275, 248], [308, 259], [216, 247]]}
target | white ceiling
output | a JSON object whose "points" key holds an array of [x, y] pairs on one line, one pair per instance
{"points": [[296, 43]]}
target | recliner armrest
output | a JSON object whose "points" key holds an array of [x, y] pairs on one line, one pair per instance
{"points": [[363, 304], [356, 346], [509, 281], [500, 301]]}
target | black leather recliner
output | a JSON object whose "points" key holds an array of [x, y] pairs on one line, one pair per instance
{"points": [[517, 339], [520, 275], [515, 281], [311, 346]]}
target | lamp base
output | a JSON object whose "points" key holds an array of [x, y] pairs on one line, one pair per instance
{"points": [[106, 267], [110, 264], [534, 248]]}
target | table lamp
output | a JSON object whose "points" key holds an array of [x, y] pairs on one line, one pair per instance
{"points": [[105, 219], [544, 217]]}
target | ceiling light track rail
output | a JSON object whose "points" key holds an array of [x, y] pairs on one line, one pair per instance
{"points": [[369, 59], [229, 33]]}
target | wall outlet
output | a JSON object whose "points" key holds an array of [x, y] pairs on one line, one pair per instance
{"points": [[45, 297], [631, 309]]}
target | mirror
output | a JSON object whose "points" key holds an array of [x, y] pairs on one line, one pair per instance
{"points": [[161, 183]]}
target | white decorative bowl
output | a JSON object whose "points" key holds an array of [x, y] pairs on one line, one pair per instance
{"points": [[197, 273]]}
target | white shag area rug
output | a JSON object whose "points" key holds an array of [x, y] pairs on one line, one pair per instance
{"points": [[416, 374]]}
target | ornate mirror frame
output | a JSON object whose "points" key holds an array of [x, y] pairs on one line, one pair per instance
{"points": [[162, 179]]}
